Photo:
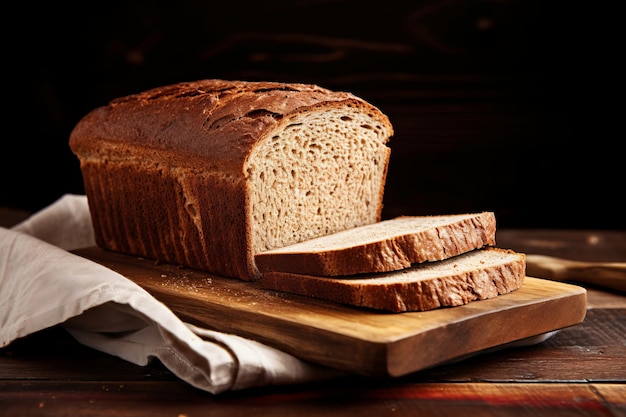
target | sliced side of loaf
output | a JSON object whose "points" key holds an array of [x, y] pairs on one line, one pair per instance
{"points": [[384, 246], [476, 275]]}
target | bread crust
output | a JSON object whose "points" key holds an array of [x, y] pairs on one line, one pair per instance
{"points": [[166, 170], [217, 122], [476, 275]]}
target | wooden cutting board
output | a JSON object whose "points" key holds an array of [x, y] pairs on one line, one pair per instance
{"points": [[363, 341]]}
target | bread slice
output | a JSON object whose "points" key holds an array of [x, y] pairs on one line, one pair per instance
{"points": [[476, 275], [384, 246], [208, 173]]}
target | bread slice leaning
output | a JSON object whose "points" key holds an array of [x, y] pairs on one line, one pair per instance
{"points": [[384, 246], [476, 275]]}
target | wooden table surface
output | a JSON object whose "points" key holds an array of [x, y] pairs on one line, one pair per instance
{"points": [[581, 371]]}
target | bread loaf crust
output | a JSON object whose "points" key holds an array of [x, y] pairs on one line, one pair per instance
{"points": [[172, 173], [476, 275], [216, 122], [385, 246]]}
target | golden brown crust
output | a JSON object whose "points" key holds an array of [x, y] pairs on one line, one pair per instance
{"points": [[223, 120]]}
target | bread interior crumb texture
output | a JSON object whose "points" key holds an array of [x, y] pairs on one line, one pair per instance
{"points": [[306, 176]]}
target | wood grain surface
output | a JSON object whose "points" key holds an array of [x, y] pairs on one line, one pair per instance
{"points": [[580, 371], [358, 340]]}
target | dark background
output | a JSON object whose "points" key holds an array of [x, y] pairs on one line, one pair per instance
{"points": [[503, 105]]}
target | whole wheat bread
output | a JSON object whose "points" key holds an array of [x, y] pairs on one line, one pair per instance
{"points": [[476, 275], [384, 246], [206, 174]]}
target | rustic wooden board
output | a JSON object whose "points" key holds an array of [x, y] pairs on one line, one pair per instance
{"points": [[358, 340]]}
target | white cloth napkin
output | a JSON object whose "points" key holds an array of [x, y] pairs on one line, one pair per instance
{"points": [[42, 285]]}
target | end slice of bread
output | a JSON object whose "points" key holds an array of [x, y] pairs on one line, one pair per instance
{"points": [[388, 245], [475, 275]]}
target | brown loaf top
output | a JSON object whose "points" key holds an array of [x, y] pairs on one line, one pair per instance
{"points": [[384, 246], [215, 121], [475, 275], [208, 173]]}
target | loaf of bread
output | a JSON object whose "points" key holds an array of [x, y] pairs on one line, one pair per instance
{"points": [[384, 246], [475, 275], [207, 174]]}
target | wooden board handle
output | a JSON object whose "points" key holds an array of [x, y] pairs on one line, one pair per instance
{"points": [[611, 275]]}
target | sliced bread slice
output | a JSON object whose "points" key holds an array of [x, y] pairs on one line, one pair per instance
{"points": [[476, 275], [388, 245]]}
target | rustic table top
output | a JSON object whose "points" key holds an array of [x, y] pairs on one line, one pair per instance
{"points": [[579, 371]]}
